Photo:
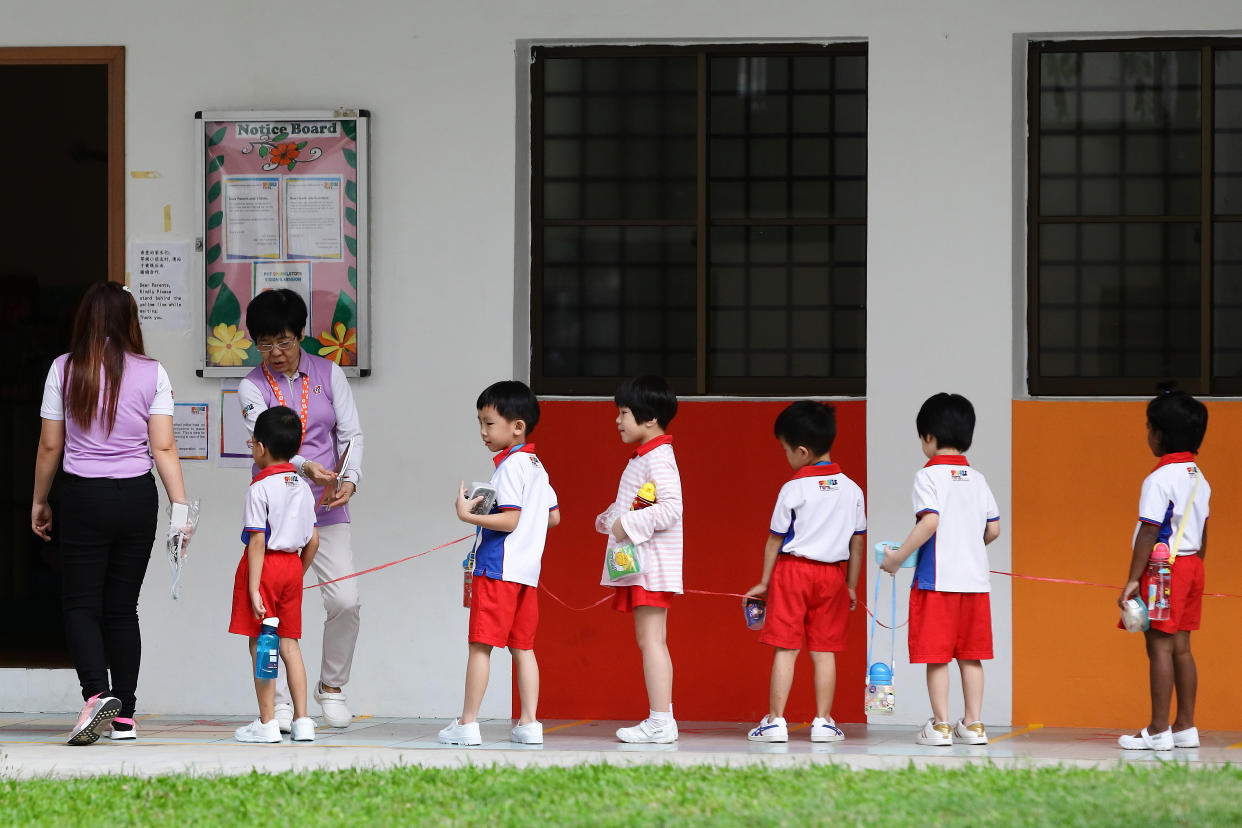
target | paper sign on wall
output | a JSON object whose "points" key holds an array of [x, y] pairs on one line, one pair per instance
{"points": [[159, 278], [190, 426]]}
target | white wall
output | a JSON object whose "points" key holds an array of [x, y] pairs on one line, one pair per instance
{"points": [[439, 77]]}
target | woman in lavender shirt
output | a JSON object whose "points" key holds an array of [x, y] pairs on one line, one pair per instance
{"points": [[108, 409]]}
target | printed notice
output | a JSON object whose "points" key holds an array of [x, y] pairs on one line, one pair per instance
{"points": [[190, 430], [252, 217], [295, 276], [159, 278], [234, 453], [313, 221]]}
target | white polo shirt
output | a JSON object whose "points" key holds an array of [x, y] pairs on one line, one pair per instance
{"points": [[521, 482], [817, 512], [280, 505], [1164, 497], [954, 559]]}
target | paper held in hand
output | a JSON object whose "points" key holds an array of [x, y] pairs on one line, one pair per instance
{"points": [[329, 491]]}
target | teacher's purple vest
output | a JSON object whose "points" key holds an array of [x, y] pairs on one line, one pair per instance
{"points": [[319, 444]]}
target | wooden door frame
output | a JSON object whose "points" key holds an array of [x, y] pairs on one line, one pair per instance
{"points": [[113, 57]]}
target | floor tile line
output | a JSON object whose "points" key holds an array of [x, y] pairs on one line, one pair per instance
{"points": [[547, 730], [1028, 729]]}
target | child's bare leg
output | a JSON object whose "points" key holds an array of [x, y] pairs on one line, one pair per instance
{"points": [[650, 625], [825, 682], [478, 669], [1185, 679], [264, 689], [783, 662], [1160, 658], [295, 670], [938, 690], [527, 670], [972, 688]]}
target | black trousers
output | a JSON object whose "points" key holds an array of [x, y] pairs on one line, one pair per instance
{"points": [[107, 527]]}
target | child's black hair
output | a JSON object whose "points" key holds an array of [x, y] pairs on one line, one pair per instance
{"points": [[648, 398], [950, 418], [280, 431], [512, 400], [273, 312], [1179, 417], [808, 423]]}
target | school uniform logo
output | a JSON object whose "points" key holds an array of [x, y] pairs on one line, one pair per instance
{"points": [[291, 481], [828, 485], [1191, 471], [318, 389], [958, 476]]}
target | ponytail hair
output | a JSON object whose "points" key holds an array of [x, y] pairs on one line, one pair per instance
{"points": [[105, 329]]}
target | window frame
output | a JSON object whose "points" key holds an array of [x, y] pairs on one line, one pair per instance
{"points": [[700, 384], [1204, 383]]}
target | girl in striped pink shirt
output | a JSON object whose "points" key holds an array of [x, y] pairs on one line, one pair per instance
{"points": [[645, 406]]}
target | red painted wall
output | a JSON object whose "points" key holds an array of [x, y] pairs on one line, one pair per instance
{"points": [[731, 470]]}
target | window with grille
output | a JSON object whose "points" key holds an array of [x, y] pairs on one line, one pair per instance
{"points": [[699, 213], [1135, 216]]}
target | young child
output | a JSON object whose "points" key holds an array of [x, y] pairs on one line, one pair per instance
{"points": [[809, 576], [645, 407], [950, 612], [1174, 498], [281, 538], [504, 608]]}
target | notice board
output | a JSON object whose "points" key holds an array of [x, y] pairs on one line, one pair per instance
{"points": [[283, 199]]}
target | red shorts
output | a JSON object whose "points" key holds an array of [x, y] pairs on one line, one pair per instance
{"points": [[806, 598], [280, 586], [1185, 596], [503, 613], [627, 597], [949, 625]]}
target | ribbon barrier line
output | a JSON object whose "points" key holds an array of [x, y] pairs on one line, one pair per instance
{"points": [[391, 563], [1094, 584]]}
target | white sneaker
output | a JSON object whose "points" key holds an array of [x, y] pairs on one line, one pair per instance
{"points": [[1188, 738], [1148, 741], [649, 731], [936, 734], [258, 731], [770, 730], [284, 717], [825, 730], [335, 712], [303, 729], [530, 733], [970, 734], [97, 713], [129, 730], [463, 734]]}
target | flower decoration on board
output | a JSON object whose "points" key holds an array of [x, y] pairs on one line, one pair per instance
{"points": [[278, 151], [340, 344], [284, 153], [227, 345]]}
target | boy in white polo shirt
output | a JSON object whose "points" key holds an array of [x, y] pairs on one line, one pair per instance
{"points": [[504, 608], [810, 567], [950, 613]]}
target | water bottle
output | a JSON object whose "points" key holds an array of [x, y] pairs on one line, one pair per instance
{"points": [[879, 700], [267, 650], [1159, 583]]}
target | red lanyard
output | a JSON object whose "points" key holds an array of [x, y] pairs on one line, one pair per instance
{"points": [[280, 398]]}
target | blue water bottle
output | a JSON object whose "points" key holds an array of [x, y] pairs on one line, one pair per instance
{"points": [[267, 650]]}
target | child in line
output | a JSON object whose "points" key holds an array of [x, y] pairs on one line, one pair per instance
{"points": [[1174, 498], [645, 407], [504, 607], [281, 537], [950, 611], [809, 575]]}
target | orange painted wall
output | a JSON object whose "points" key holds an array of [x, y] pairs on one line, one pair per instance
{"points": [[732, 469], [1077, 468]]}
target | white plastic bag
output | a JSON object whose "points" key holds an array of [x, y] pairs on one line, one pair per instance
{"points": [[182, 521]]}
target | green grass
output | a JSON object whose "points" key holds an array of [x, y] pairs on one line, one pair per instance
{"points": [[652, 794]]}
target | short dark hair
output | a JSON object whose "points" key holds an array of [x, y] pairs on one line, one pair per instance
{"points": [[648, 398], [279, 430], [1180, 419], [950, 418], [808, 423], [273, 312], [512, 400]]}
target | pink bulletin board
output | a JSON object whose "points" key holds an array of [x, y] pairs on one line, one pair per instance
{"points": [[284, 204]]}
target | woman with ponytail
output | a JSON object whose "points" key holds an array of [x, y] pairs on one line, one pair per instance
{"points": [[108, 410]]}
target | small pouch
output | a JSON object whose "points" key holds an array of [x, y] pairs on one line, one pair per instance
{"points": [[622, 560]]}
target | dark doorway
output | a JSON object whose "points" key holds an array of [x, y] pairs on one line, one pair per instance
{"points": [[61, 228]]}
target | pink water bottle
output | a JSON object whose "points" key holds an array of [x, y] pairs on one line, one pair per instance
{"points": [[1159, 583]]}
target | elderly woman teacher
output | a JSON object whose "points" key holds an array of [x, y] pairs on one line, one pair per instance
{"points": [[108, 409], [317, 390]]}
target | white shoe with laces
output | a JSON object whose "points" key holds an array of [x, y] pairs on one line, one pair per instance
{"points": [[970, 734], [936, 734], [258, 732], [284, 717], [303, 729], [770, 730], [530, 733], [649, 731], [461, 734], [1147, 741], [335, 711], [825, 730]]}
